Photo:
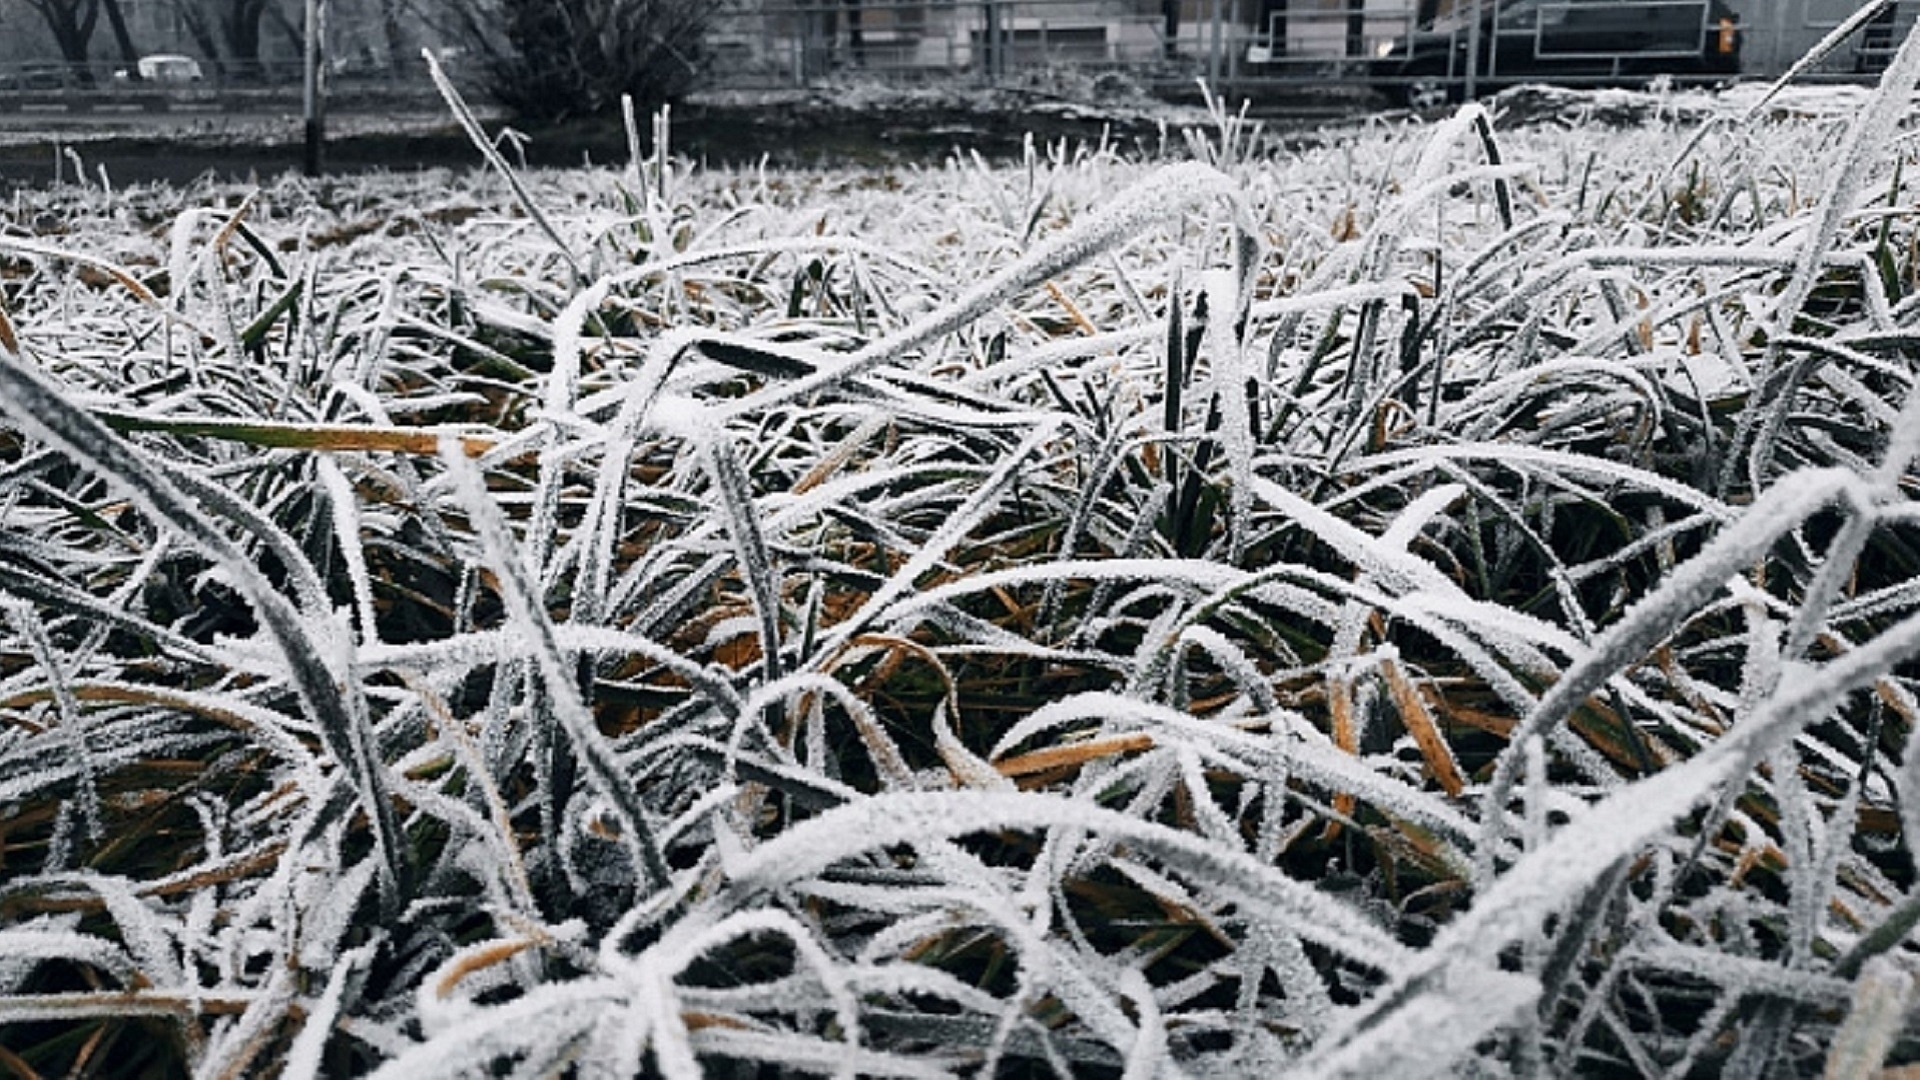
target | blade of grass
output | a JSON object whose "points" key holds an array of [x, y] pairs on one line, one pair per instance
{"points": [[338, 705], [471, 125], [287, 435], [603, 767]]}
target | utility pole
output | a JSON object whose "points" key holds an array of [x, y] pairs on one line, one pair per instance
{"points": [[1473, 52], [313, 96], [1235, 44], [1213, 49]]}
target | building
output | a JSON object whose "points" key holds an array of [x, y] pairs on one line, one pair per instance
{"points": [[794, 41], [1233, 43]]}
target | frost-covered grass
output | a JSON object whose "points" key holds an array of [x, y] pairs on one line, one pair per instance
{"points": [[1441, 599]]}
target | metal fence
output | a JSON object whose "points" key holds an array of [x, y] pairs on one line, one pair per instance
{"points": [[1237, 43], [104, 86], [1238, 46], [796, 42]]}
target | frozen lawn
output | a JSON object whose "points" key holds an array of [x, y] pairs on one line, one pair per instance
{"points": [[1435, 598]]}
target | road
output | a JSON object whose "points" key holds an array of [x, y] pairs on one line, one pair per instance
{"points": [[38, 146]]}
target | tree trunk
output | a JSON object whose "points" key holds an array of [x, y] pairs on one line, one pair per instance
{"points": [[288, 28], [71, 23], [395, 33], [129, 55], [198, 29], [1170, 30], [240, 26]]}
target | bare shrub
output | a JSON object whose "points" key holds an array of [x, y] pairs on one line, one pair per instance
{"points": [[553, 60]]}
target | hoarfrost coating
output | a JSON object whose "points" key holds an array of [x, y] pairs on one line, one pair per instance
{"points": [[1289, 609]]}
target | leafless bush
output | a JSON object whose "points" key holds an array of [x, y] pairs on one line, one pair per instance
{"points": [[551, 60]]}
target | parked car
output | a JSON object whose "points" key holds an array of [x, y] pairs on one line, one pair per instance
{"points": [[41, 75], [1593, 41], [167, 68]]}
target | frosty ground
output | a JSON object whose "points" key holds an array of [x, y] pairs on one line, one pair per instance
{"points": [[1434, 598]]}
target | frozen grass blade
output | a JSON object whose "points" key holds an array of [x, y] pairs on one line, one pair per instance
{"points": [[1434, 1033], [27, 624], [604, 770], [471, 125], [1868, 137], [38, 406], [1161, 196], [1136, 709], [303, 1060], [926, 817], [743, 525], [120, 274], [1679, 597], [345, 512], [982, 501], [1878, 1017], [292, 436], [1548, 880]]}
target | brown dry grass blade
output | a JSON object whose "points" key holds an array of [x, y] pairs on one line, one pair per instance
{"points": [[118, 693], [424, 441], [9, 341], [1426, 734], [113, 270], [232, 224], [480, 959], [1345, 736], [25, 1008], [1072, 309], [1073, 754]]}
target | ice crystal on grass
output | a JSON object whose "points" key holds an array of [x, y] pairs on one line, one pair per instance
{"points": [[1429, 600]]}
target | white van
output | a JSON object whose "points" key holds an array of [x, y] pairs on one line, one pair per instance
{"points": [[170, 68]]}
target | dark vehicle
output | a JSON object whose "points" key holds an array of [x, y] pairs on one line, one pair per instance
{"points": [[1590, 41], [42, 75]]}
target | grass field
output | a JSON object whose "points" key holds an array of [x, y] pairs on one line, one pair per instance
{"points": [[1439, 598]]}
